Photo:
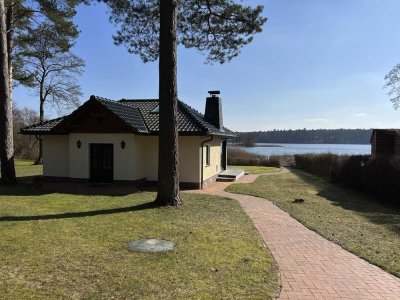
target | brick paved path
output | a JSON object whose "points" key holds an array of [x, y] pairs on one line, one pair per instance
{"points": [[311, 267]]}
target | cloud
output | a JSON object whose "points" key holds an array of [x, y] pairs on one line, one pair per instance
{"points": [[360, 115], [316, 120]]}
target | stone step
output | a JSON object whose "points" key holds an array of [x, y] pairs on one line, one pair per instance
{"points": [[230, 175], [225, 179], [227, 176]]}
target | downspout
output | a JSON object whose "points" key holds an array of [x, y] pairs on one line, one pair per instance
{"points": [[202, 160]]}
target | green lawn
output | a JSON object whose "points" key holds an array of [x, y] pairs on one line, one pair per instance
{"points": [[26, 168], [73, 245], [351, 219], [257, 169]]}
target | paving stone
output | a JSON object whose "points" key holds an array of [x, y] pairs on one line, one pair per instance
{"points": [[307, 261]]}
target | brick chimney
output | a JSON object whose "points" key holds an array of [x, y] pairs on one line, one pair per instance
{"points": [[213, 112]]}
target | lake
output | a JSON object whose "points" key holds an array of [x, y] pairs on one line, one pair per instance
{"points": [[291, 149]]}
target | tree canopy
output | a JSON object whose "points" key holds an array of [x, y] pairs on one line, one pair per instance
{"points": [[30, 17], [218, 28], [50, 68], [393, 84]]}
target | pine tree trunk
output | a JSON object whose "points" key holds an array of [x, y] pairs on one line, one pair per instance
{"points": [[6, 117], [168, 157], [10, 41]]}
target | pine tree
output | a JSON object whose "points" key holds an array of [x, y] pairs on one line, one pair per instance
{"points": [[152, 29], [17, 17]]}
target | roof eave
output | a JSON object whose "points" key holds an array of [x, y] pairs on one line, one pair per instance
{"points": [[230, 135], [38, 132]]}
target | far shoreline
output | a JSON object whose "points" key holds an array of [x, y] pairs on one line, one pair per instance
{"points": [[280, 145]]}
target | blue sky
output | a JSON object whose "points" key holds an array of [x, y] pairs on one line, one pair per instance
{"points": [[318, 64]]}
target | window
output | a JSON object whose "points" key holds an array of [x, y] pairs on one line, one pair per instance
{"points": [[208, 156]]}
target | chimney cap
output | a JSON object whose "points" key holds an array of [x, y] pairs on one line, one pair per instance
{"points": [[214, 93]]}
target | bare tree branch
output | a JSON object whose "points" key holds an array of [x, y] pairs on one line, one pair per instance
{"points": [[393, 84]]}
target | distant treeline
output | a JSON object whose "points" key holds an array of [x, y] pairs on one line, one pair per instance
{"points": [[304, 136]]}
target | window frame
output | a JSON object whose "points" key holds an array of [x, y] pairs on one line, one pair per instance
{"points": [[208, 155]]}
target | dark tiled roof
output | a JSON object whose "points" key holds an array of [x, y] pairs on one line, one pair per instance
{"points": [[141, 115], [199, 117], [146, 107], [131, 115], [42, 128], [189, 119]]}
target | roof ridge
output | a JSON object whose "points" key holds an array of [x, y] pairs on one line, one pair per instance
{"points": [[141, 115], [94, 97], [121, 102], [192, 108], [137, 100], [113, 101], [203, 121]]}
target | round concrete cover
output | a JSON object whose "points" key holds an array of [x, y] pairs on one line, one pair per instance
{"points": [[150, 245]]}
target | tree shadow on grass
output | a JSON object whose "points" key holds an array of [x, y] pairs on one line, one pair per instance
{"points": [[82, 214], [364, 204], [26, 188]]}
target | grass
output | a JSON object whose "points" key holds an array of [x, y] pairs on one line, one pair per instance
{"points": [[257, 169], [349, 218], [71, 246], [26, 168]]}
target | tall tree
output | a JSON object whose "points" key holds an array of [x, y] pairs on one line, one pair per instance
{"points": [[153, 28], [6, 120], [50, 69], [168, 151], [393, 84], [17, 16]]}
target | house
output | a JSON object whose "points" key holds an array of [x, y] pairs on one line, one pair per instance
{"points": [[117, 141], [385, 142]]}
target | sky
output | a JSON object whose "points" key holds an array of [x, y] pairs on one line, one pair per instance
{"points": [[317, 64]]}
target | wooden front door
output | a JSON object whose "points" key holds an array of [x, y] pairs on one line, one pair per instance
{"points": [[101, 163], [223, 155]]}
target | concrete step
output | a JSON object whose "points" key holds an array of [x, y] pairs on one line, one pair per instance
{"points": [[225, 179], [227, 176], [230, 175]]}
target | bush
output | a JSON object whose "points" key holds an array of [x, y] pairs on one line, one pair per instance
{"points": [[324, 165], [25, 146], [239, 157], [349, 170], [379, 176]]}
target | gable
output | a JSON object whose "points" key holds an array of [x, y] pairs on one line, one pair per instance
{"points": [[92, 118]]}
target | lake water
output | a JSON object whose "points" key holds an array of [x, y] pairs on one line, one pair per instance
{"points": [[291, 149]]}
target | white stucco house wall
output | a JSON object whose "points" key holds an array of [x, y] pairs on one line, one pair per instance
{"points": [[117, 141]]}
